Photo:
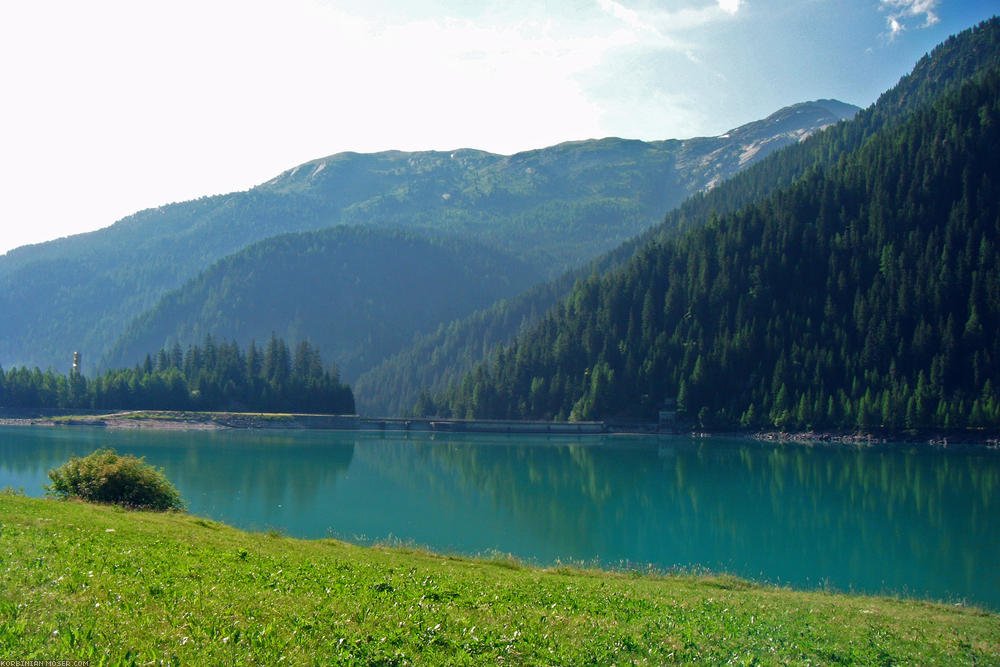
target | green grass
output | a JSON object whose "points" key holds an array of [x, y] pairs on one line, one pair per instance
{"points": [[81, 581]]}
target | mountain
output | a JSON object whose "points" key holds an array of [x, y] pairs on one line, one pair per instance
{"points": [[441, 357], [711, 160], [866, 294], [438, 360], [357, 293], [554, 208]]}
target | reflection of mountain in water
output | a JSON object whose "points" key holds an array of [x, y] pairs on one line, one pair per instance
{"points": [[877, 519], [530, 484], [798, 514]]}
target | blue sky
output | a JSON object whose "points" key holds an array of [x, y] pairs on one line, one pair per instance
{"points": [[111, 106]]}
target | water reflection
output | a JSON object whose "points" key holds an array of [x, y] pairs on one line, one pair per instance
{"points": [[253, 479], [883, 519]]}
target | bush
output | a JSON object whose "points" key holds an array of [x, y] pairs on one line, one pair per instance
{"points": [[107, 477]]}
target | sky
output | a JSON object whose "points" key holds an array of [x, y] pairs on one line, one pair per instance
{"points": [[109, 107]]}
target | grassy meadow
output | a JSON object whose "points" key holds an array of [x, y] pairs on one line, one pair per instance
{"points": [[99, 583]]}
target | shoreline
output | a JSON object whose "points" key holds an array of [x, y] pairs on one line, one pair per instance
{"points": [[179, 420], [866, 439], [175, 420]]}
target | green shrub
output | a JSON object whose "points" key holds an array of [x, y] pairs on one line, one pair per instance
{"points": [[107, 477]]}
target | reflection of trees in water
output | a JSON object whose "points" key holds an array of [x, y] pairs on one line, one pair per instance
{"points": [[260, 467], [784, 510], [788, 510], [894, 481], [30, 452], [843, 500], [534, 479], [905, 515], [267, 469]]}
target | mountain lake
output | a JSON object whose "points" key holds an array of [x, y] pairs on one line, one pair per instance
{"points": [[890, 519]]}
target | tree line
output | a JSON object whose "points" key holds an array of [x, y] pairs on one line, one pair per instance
{"points": [[213, 376]]}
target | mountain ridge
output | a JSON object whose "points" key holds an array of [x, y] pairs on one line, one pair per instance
{"points": [[575, 202], [394, 385]]}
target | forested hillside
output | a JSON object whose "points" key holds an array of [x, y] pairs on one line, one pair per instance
{"points": [[358, 293], [554, 208], [440, 359], [865, 295]]}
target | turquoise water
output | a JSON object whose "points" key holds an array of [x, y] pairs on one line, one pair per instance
{"points": [[890, 519]]}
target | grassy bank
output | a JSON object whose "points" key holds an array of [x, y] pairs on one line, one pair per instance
{"points": [[92, 582]]}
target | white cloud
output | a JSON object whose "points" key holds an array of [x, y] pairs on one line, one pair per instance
{"points": [[730, 6], [126, 105], [901, 14], [623, 14], [665, 25]]}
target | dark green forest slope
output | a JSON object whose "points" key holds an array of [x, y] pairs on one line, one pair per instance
{"points": [[867, 294], [555, 208], [357, 293], [440, 359]]}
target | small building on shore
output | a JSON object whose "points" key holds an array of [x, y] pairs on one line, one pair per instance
{"points": [[667, 417]]}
